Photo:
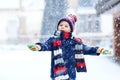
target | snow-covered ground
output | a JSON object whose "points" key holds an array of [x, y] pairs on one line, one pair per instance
{"points": [[17, 62]]}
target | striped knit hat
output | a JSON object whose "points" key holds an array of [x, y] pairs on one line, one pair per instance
{"points": [[71, 19]]}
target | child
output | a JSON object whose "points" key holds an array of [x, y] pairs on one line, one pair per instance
{"points": [[67, 51]]}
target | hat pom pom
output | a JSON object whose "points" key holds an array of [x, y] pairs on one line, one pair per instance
{"points": [[73, 17]]}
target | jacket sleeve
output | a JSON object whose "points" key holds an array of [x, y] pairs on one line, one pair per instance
{"points": [[84, 49], [47, 46], [88, 50]]}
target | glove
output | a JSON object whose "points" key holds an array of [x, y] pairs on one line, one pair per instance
{"points": [[104, 51], [34, 47]]}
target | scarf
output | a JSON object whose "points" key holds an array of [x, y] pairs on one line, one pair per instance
{"points": [[79, 57], [60, 70]]}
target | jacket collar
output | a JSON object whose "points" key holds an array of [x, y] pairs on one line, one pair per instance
{"points": [[62, 34]]}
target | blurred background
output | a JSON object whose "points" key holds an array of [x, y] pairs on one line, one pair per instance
{"points": [[27, 21], [24, 22]]}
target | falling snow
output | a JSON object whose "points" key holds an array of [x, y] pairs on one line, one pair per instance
{"points": [[17, 62]]}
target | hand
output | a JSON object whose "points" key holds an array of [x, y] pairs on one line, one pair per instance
{"points": [[34, 47], [103, 51], [106, 52]]}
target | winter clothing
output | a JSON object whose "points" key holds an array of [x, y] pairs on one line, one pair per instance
{"points": [[68, 79], [71, 19], [60, 70], [80, 62], [69, 58], [73, 79], [104, 51], [33, 47]]}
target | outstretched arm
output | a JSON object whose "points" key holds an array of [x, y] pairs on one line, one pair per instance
{"points": [[47, 46], [87, 50]]}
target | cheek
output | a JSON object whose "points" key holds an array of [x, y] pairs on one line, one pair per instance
{"points": [[59, 28], [68, 30]]}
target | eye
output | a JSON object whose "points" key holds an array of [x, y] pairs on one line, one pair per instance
{"points": [[61, 25], [66, 26]]}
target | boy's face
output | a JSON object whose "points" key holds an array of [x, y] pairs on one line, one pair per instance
{"points": [[64, 26]]}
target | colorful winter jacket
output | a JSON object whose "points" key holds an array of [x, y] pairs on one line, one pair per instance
{"points": [[72, 51]]}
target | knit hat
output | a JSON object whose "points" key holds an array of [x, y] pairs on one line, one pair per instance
{"points": [[71, 19]]}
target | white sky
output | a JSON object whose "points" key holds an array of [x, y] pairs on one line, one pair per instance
{"points": [[27, 4], [9, 4]]}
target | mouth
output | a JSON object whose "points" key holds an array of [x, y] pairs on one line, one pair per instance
{"points": [[62, 30]]}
